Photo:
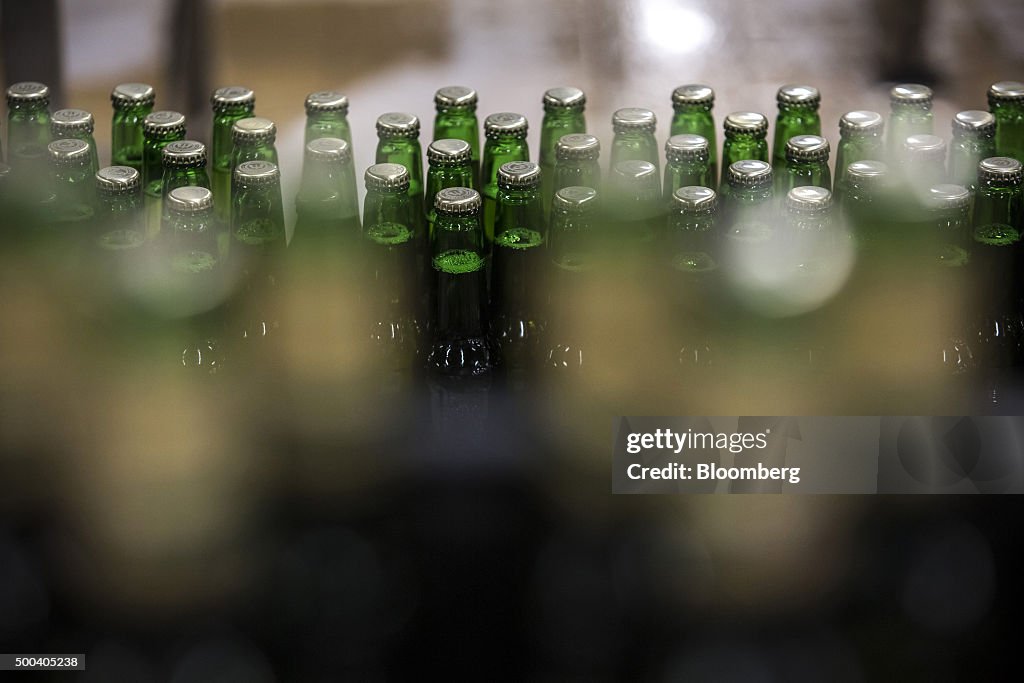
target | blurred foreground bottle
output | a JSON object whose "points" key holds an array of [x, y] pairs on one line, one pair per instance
{"points": [[974, 139], [1006, 102], [75, 187], [327, 207], [910, 114], [456, 120], [28, 127], [160, 129], [184, 163], [327, 117], [518, 259], [865, 205], [399, 143], [691, 105], [449, 165], [563, 115], [687, 163], [860, 139], [576, 164], [120, 222], [923, 164], [634, 137], [798, 115], [229, 105], [506, 141], [132, 103], [77, 124], [745, 138], [806, 164], [635, 210]]}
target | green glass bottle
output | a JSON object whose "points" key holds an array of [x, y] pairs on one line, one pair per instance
{"points": [[327, 117], [911, 114], [449, 165], [577, 156], [634, 136], [73, 184], [78, 124], [806, 164], [253, 139], [923, 163], [563, 115], [506, 141], [518, 258], [635, 210], [132, 103], [798, 115], [687, 163], [865, 202], [456, 120], [160, 128], [860, 139], [398, 143], [691, 106], [808, 247], [745, 138], [120, 222], [1006, 102], [748, 209], [327, 207], [974, 139], [28, 124], [184, 163], [460, 346], [229, 105]]}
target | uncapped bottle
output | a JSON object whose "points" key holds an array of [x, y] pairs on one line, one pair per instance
{"points": [[974, 139], [78, 124], [456, 120], [326, 206], [74, 183], [745, 138], [687, 163], [460, 346], [563, 115], [860, 139], [132, 102], [160, 128], [911, 114], [1006, 102], [184, 163], [28, 126], [449, 165], [798, 115], [691, 106], [399, 143], [806, 164], [229, 105], [577, 156], [923, 162], [506, 141], [634, 136], [634, 205], [327, 117]]}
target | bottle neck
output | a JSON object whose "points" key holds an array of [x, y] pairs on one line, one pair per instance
{"points": [[519, 210]]}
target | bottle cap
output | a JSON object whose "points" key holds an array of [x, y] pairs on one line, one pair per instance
{"points": [[948, 196], [232, 96], [694, 199], [457, 201], [28, 91], [398, 125], [749, 122], [449, 152], [912, 94], [806, 95], [69, 152], [184, 154], [128, 95], [565, 97], [328, 150], [505, 124], [807, 148], [974, 122], [686, 147], [254, 130], [1006, 91], [808, 199], [575, 200], [634, 119], [455, 96], [326, 100], [750, 173], [858, 123], [925, 148], [164, 123], [65, 123], [518, 175], [189, 200], [257, 173], [387, 178], [118, 180], [693, 93], [1000, 169], [867, 170], [578, 146]]}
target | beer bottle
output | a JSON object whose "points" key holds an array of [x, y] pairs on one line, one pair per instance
{"points": [[911, 114], [184, 163], [518, 244], [634, 136], [160, 128], [132, 103], [1006, 102], [398, 143], [806, 164], [119, 219], [865, 203], [229, 105], [563, 115], [456, 120], [74, 184], [923, 162], [326, 206], [798, 115], [635, 207], [745, 133], [974, 139], [327, 117], [461, 347], [576, 162], [506, 141], [687, 163], [748, 211], [691, 105], [78, 124], [28, 126], [253, 140], [995, 264], [449, 165], [860, 139]]}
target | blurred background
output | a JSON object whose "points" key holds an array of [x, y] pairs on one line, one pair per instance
{"points": [[301, 524]]}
